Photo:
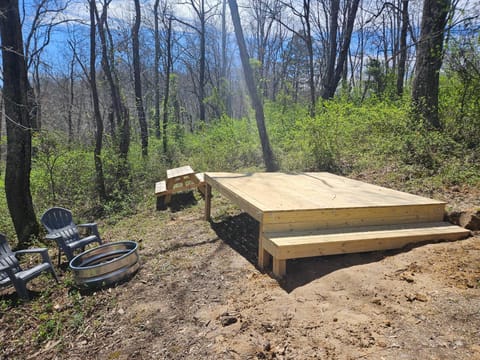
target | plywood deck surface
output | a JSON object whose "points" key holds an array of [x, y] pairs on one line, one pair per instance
{"points": [[308, 191]]}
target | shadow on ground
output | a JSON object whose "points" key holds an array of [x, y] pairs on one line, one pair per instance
{"points": [[178, 201], [241, 233]]}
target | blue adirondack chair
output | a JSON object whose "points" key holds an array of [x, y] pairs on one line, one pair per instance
{"points": [[11, 272], [61, 228]]}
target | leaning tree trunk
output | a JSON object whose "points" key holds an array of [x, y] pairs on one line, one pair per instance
{"points": [[268, 156], [429, 61], [19, 137]]}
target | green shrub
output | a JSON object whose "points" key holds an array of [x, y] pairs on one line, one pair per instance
{"points": [[224, 145]]}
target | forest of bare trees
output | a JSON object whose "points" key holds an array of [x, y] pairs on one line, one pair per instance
{"points": [[106, 73], [305, 49]]}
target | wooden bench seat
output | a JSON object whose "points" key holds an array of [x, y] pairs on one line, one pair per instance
{"points": [[161, 188], [290, 245]]}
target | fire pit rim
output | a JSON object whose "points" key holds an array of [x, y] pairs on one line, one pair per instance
{"points": [[110, 244], [103, 272]]}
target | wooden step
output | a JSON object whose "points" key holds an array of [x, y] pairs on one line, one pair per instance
{"points": [[299, 244]]}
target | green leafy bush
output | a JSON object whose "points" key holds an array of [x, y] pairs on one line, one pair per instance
{"points": [[224, 145]]}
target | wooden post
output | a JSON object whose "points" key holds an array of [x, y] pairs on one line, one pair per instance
{"points": [[263, 256], [208, 201], [170, 185], [279, 268]]}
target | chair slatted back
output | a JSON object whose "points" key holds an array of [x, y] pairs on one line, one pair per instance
{"points": [[7, 258], [59, 221]]}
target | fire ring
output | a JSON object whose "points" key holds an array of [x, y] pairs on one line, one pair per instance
{"points": [[106, 265]]}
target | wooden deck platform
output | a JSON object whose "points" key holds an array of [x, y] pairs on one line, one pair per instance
{"points": [[312, 214]]}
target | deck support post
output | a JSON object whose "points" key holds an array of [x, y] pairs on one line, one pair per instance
{"points": [[279, 267], [208, 201], [263, 256]]}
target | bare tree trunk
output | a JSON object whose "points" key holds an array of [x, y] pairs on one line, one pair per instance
{"points": [[137, 79], [34, 97], [156, 70], [203, 14], [268, 156], [403, 48], [166, 98], [332, 50], [305, 34], [119, 110], [202, 62], [223, 72], [1, 125], [311, 72], [71, 97], [19, 137], [333, 79], [99, 178], [429, 61]]}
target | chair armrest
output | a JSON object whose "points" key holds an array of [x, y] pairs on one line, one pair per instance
{"points": [[53, 236], [88, 224], [41, 251], [30, 251], [93, 228]]}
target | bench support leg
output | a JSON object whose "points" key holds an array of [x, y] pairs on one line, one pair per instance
{"points": [[208, 201], [279, 267]]}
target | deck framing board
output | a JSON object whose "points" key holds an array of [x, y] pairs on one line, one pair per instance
{"points": [[349, 217]]}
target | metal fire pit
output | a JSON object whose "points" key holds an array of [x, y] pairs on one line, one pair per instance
{"points": [[106, 264]]}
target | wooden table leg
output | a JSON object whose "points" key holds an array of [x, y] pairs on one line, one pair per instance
{"points": [[168, 197], [208, 201]]}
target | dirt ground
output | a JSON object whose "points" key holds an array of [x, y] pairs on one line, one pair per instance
{"points": [[199, 295]]}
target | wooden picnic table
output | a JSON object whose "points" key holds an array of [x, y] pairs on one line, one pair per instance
{"points": [[179, 179]]}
